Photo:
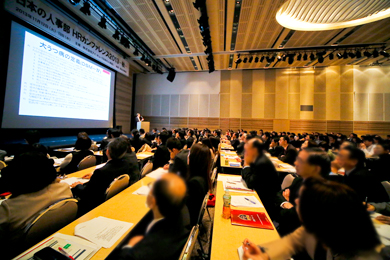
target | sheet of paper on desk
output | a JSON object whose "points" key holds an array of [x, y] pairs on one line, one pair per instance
{"points": [[102, 231], [144, 190], [237, 187], [383, 231], [246, 201], [229, 178], [142, 155], [156, 174], [240, 253], [72, 180], [76, 247], [234, 164]]}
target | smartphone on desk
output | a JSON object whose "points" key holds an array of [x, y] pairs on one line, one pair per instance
{"points": [[49, 253]]}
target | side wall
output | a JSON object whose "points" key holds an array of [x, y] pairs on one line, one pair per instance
{"points": [[123, 101], [334, 99]]}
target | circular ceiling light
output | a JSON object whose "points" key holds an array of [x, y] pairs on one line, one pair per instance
{"points": [[314, 15]]}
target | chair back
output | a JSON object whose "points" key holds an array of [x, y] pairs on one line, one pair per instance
{"points": [[203, 208], [148, 167], [50, 220], [287, 181], [2, 165], [189, 246], [386, 185], [117, 185], [215, 161], [214, 175], [144, 148], [87, 162]]}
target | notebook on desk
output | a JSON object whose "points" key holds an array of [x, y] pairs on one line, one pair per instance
{"points": [[250, 219]]}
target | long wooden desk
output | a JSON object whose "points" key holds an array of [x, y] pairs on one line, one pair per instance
{"points": [[125, 206], [229, 153], [225, 146], [227, 238]]}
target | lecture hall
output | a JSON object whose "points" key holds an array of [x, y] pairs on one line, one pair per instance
{"points": [[195, 130]]}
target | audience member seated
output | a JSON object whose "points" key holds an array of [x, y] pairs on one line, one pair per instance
{"points": [[181, 136], [259, 174], [32, 138], [380, 207], [33, 189], [162, 155], [311, 162], [333, 143], [114, 133], [179, 158], [289, 152], [380, 166], [161, 234], [207, 142], [131, 158], [106, 139], [367, 146], [274, 149], [198, 182], [92, 194], [136, 141], [142, 133], [235, 141], [351, 235], [190, 139], [72, 160]]}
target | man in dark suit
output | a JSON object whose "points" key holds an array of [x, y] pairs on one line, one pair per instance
{"points": [[190, 139], [32, 138], [289, 152], [161, 234], [131, 158], [162, 155], [235, 141], [136, 140], [179, 158], [274, 149], [311, 162], [114, 133], [259, 174], [92, 194], [266, 137]]}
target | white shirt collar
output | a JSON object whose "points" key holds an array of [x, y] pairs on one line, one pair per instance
{"points": [[152, 223]]}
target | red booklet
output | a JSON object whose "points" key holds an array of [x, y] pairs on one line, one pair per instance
{"points": [[250, 219]]}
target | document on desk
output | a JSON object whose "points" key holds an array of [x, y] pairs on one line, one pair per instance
{"points": [[102, 231], [78, 248], [246, 201], [72, 180], [237, 186], [233, 179], [156, 174], [144, 190]]}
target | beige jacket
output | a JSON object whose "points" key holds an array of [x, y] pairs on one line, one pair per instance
{"points": [[299, 241], [16, 213]]}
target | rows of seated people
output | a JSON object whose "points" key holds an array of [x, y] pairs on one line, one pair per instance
{"points": [[335, 176]]}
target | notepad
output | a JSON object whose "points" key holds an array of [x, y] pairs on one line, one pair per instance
{"points": [[102, 231], [72, 180], [237, 187], [144, 190], [246, 201]]}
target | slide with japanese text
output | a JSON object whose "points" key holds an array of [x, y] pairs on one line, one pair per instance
{"points": [[51, 86]]}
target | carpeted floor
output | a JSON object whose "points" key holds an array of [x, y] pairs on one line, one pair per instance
{"points": [[205, 237]]}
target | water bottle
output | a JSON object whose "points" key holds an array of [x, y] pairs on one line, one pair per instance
{"points": [[226, 204]]}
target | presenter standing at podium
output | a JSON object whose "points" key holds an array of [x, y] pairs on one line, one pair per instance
{"points": [[139, 118]]}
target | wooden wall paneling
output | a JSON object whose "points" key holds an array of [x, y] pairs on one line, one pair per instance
{"points": [[360, 127], [333, 126], [346, 106], [123, 101], [281, 125], [246, 109], [380, 128], [258, 88], [333, 93], [294, 106], [387, 107], [235, 94], [307, 126], [346, 127], [193, 122], [361, 107], [281, 94], [319, 107], [307, 91], [213, 122], [177, 122], [158, 121], [224, 123], [269, 106], [235, 123], [224, 105]]}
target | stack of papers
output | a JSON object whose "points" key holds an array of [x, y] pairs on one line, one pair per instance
{"points": [[234, 164], [76, 247], [144, 190], [229, 178], [383, 231], [72, 180], [246, 201], [102, 231], [287, 167], [156, 174], [143, 155]]}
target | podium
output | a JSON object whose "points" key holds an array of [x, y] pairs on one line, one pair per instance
{"points": [[144, 125]]}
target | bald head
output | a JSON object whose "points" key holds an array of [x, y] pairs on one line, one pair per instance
{"points": [[167, 195]]}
